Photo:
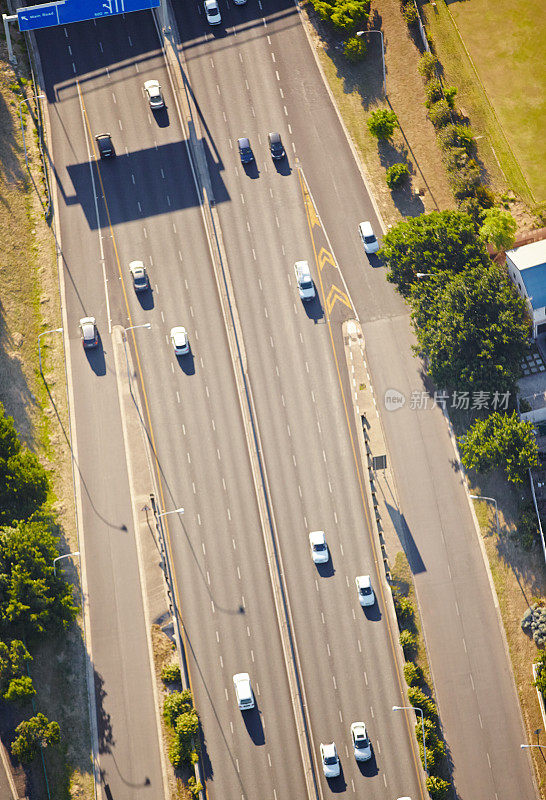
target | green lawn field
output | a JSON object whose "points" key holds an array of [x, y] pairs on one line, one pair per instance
{"points": [[506, 40]]}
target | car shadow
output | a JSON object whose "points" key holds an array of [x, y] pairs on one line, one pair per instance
{"points": [[187, 363], [146, 299], [372, 613], [368, 768], [313, 309], [253, 724], [96, 359], [283, 166], [161, 116], [374, 260], [326, 570], [251, 169], [338, 784]]}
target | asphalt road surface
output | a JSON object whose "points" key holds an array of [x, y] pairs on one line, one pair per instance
{"points": [[250, 78]]}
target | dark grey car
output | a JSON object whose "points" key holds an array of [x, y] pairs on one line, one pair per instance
{"points": [[275, 146], [105, 144], [245, 151]]}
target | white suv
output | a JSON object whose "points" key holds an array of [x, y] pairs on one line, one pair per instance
{"points": [[305, 281], [365, 591], [243, 691]]}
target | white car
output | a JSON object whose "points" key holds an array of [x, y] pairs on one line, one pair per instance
{"points": [[89, 333], [179, 339], [243, 691], [319, 548], [369, 240], [139, 276], [330, 760], [153, 90], [212, 12], [365, 591], [304, 280], [361, 744]]}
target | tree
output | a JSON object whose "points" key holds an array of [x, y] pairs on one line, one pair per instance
{"points": [[185, 744], [33, 734], [13, 659], [439, 241], [176, 703], [473, 328], [437, 788], [499, 227], [20, 690], [382, 123], [33, 599], [355, 49], [500, 440], [397, 175], [23, 481], [343, 14]]}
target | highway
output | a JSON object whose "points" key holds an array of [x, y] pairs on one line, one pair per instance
{"points": [[263, 78]]}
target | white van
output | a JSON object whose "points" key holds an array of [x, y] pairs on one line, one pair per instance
{"points": [[304, 280], [369, 240]]}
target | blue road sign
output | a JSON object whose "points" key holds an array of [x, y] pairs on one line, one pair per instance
{"points": [[66, 11]]}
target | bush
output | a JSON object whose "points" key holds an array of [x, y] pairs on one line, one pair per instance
{"points": [[465, 180], [171, 673], [534, 624], [440, 114], [428, 64], [485, 197], [194, 787], [450, 93], [472, 207], [382, 123], [433, 91], [408, 642], [410, 14], [175, 704], [412, 673], [527, 529], [397, 175], [404, 610], [343, 14], [355, 49], [437, 788], [20, 690], [540, 662], [33, 735], [457, 136], [420, 700]]}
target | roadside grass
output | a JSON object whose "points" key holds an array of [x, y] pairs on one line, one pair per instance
{"points": [[357, 91], [519, 577], [29, 305], [506, 44]]}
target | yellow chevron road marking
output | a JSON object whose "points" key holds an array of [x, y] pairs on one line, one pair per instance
{"points": [[334, 295]]}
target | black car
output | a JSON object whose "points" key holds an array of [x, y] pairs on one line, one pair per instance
{"points": [[275, 146], [106, 147], [245, 151]]}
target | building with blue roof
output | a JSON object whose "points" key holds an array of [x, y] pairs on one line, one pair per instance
{"points": [[527, 267]]}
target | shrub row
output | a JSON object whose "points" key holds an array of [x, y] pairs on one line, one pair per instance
{"points": [[457, 142], [419, 696], [181, 717], [343, 15]]}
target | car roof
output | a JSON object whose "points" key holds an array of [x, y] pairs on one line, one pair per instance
{"points": [[329, 749], [211, 4], [274, 138], [363, 581], [317, 537], [303, 266], [356, 726], [179, 330], [151, 84], [244, 142], [136, 265], [87, 321], [366, 228], [103, 136]]}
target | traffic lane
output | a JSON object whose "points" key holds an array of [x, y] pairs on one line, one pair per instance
{"points": [[219, 561], [129, 762], [440, 530]]}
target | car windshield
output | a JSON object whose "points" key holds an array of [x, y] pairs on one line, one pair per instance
{"points": [[365, 590], [330, 760], [306, 284], [361, 741], [319, 546], [369, 239]]}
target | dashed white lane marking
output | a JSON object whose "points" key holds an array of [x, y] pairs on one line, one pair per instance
{"points": [[73, 68], [341, 718], [273, 57], [224, 485], [208, 581], [252, 654], [285, 111], [229, 514], [328, 648], [316, 585], [300, 492], [294, 460], [237, 764], [174, 229], [213, 425], [277, 221], [211, 63], [322, 618], [269, 759], [70, 49], [218, 454], [354, 615], [248, 631], [183, 429], [218, 89], [330, 487], [365, 673], [130, 41], [360, 650], [293, 147], [480, 719], [254, 254], [217, 637], [385, 780], [340, 545], [472, 682], [371, 712], [269, 40], [334, 682], [145, 232], [163, 320], [178, 397], [378, 746], [242, 199], [457, 607], [139, 207], [189, 458], [207, 390], [277, 74], [254, 114], [233, 543], [224, 115], [136, 67], [488, 760], [265, 312], [271, 340], [213, 606], [199, 519], [231, 726], [324, 456], [133, 178], [168, 200], [282, 93], [464, 644], [238, 572], [283, 401], [247, 86]]}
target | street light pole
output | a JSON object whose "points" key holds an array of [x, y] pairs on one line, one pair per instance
{"points": [[523, 746], [133, 327], [175, 511], [54, 330], [492, 499], [362, 33], [66, 555], [420, 710]]}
